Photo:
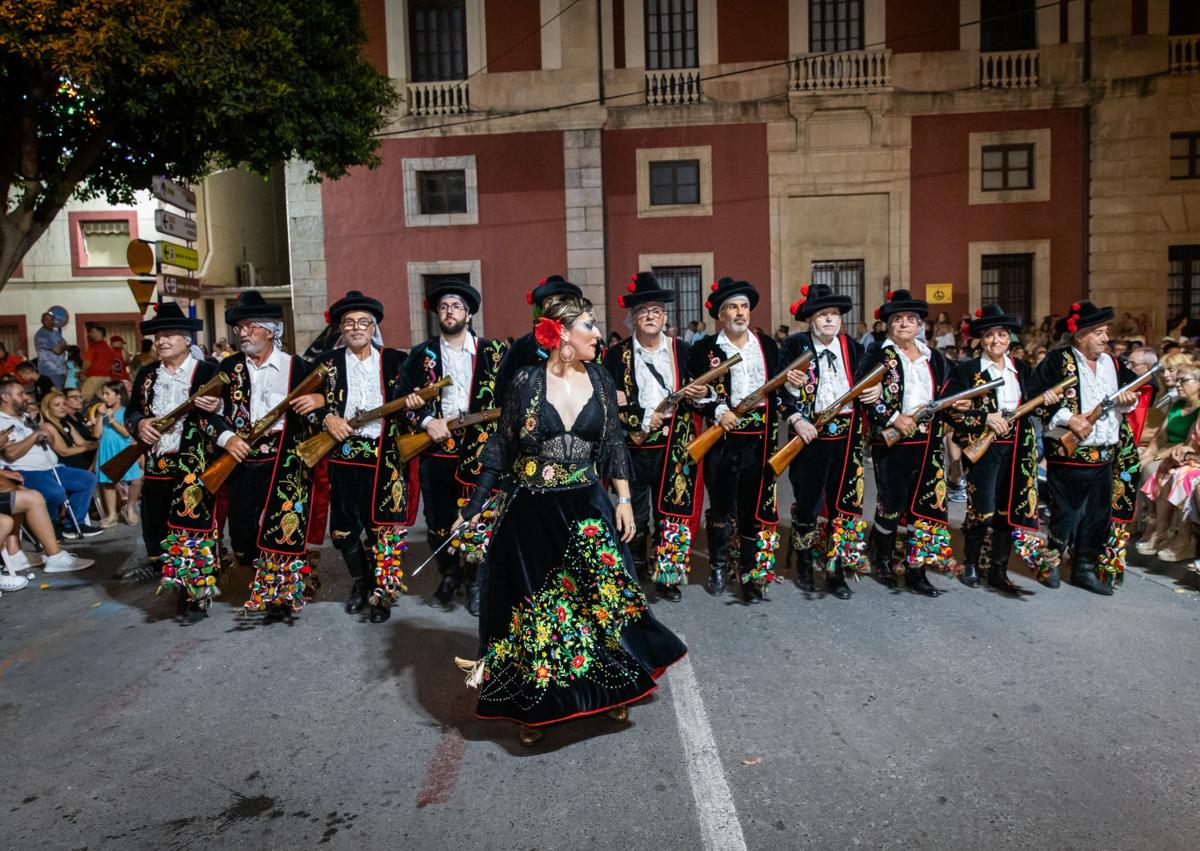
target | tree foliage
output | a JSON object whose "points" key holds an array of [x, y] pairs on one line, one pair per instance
{"points": [[99, 96]]}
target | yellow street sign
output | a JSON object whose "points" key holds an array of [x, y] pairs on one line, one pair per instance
{"points": [[939, 293], [179, 255], [140, 256]]}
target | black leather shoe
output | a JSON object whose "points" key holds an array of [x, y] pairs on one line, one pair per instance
{"points": [[970, 576], [380, 613], [751, 593], [998, 578], [804, 573], [1083, 575], [835, 583], [671, 593], [473, 599], [357, 600], [916, 581], [445, 592], [716, 583], [1051, 579]]}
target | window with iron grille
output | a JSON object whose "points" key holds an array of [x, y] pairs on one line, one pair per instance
{"points": [[1007, 167], [684, 281], [437, 40], [675, 182], [1183, 283], [844, 277], [442, 191], [670, 34], [1185, 156], [835, 25], [1007, 25], [1007, 280]]}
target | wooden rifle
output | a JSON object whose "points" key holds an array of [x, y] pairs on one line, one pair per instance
{"points": [[708, 438], [980, 445], [219, 470], [413, 444], [673, 400], [318, 446], [116, 467], [1069, 440], [781, 459], [893, 435]]}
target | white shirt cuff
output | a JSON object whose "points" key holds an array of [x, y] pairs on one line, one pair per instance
{"points": [[1060, 418], [720, 411], [426, 421], [892, 418], [224, 437]]}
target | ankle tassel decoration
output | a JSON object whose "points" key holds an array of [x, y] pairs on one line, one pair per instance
{"points": [[929, 547], [189, 562], [276, 583], [672, 556], [1111, 565], [391, 543], [471, 539], [1036, 552], [765, 546], [847, 547]]}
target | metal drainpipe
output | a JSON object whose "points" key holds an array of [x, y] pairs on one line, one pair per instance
{"points": [[1087, 148]]}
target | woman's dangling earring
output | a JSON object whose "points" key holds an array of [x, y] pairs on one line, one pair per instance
{"points": [[566, 353]]}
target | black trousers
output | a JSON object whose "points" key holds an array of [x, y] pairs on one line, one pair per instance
{"points": [[1080, 501], [816, 477], [156, 511], [351, 492], [733, 473], [989, 486], [248, 486], [440, 492], [897, 475], [643, 487]]}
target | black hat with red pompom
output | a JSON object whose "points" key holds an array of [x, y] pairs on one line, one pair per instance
{"points": [[817, 297], [642, 289], [1084, 315], [901, 301], [169, 316], [251, 305], [353, 300], [552, 285], [992, 316], [454, 286], [727, 288]]}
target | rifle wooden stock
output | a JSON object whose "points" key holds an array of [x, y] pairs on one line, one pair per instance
{"points": [[708, 438], [781, 459], [638, 437], [219, 470], [1069, 440], [413, 444], [319, 445], [979, 446], [116, 467], [892, 435]]}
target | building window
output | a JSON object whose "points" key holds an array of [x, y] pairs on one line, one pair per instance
{"points": [[1184, 17], [1185, 156], [1007, 280], [438, 36], [670, 34], [686, 283], [1183, 283], [442, 191], [104, 243], [835, 25], [675, 182], [1007, 25], [1007, 167], [844, 277]]}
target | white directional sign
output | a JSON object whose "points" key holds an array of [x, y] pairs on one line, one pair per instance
{"points": [[171, 192], [178, 286], [173, 225]]}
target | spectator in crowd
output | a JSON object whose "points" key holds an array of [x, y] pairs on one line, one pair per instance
{"points": [[120, 367], [35, 385], [72, 444], [1170, 450], [8, 363], [781, 333], [1017, 352], [1140, 360], [943, 335], [614, 338], [27, 452], [51, 351], [876, 335], [109, 429], [23, 506], [74, 367], [97, 362], [146, 356]]}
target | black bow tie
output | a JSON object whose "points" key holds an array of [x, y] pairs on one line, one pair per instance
{"points": [[830, 359]]}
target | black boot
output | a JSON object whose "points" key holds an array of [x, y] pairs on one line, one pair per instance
{"points": [[882, 544], [379, 613], [974, 536], [447, 588], [360, 588], [802, 551], [915, 579], [751, 593], [970, 575], [670, 593], [997, 577], [835, 584], [473, 597], [1083, 575], [638, 547], [718, 549]]}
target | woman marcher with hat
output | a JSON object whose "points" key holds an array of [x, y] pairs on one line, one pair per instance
{"points": [[910, 477], [647, 367], [829, 472], [450, 467], [740, 484], [1091, 492], [1002, 485], [177, 512]]}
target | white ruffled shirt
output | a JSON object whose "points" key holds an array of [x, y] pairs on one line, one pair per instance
{"points": [[1008, 397], [744, 377], [268, 387], [918, 380], [171, 389], [650, 392], [364, 391]]}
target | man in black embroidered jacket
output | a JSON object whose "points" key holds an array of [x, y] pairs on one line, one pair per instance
{"points": [[647, 367], [448, 470], [740, 485]]}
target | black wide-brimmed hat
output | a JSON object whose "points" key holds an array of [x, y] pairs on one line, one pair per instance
{"points": [[1085, 315], [817, 297], [901, 301], [992, 316], [642, 288], [353, 300], [553, 285], [169, 316], [454, 286], [727, 288], [251, 305]]}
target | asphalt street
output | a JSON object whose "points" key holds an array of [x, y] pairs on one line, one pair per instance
{"points": [[1057, 721]]}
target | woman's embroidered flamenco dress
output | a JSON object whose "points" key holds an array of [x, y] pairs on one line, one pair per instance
{"points": [[564, 627]]}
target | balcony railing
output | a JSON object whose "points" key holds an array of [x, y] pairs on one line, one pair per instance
{"points": [[1008, 69], [832, 72], [1184, 53], [672, 88], [445, 97]]}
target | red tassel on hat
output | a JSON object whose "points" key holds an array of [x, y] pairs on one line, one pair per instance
{"points": [[1072, 325], [877, 313], [542, 282], [708, 304], [796, 305], [425, 304], [979, 313], [327, 319], [633, 278], [804, 291], [1075, 307], [621, 300], [714, 286], [888, 295], [529, 298], [157, 306], [630, 288]]}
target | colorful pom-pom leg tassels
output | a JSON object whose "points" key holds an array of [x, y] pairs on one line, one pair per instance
{"points": [[391, 543], [766, 545], [189, 563], [277, 583], [470, 540], [1036, 552], [1111, 565], [672, 556], [847, 545], [929, 547]]}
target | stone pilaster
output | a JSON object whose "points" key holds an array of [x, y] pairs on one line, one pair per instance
{"points": [[306, 253], [585, 214]]}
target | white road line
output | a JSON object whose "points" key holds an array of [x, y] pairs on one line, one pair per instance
{"points": [[720, 829]]}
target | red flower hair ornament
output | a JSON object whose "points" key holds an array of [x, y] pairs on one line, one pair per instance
{"points": [[327, 319], [547, 332]]}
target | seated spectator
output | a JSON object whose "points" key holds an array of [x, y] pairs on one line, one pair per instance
{"points": [[1140, 361], [1167, 454], [20, 505], [28, 453], [35, 385], [71, 443]]}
